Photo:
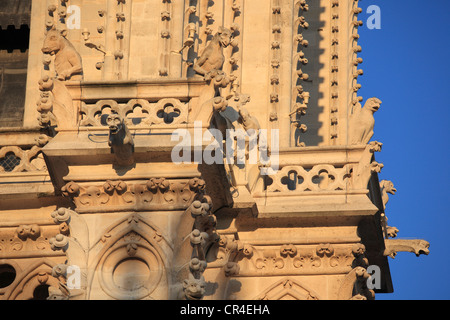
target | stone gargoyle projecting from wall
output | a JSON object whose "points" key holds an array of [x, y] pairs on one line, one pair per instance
{"points": [[120, 140]]}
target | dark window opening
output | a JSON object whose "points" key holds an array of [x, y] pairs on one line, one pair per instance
{"points": [[7, 275], [14, 39], [41, 292], [13, 74], [15, 17], [9, 162]]}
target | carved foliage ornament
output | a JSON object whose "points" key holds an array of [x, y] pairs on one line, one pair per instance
{"points": [[156, 193], [287, 259], [25, 238]]}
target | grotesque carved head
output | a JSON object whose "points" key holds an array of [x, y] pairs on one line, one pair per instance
{"points": [[53, 42], [225, 36], [373, 104], [194, 289], [114, 123], [388, 187]]}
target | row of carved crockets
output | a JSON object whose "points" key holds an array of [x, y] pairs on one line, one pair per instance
{"points": [[154, 190], [232, 254], [301, 100], [240, 260], [335, 62]]}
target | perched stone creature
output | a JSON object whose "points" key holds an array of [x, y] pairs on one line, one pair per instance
{"points": [[362, 122], [68, 63], [386, 187], [248, 122], [391, 231], [212, 58], [120, 140]]}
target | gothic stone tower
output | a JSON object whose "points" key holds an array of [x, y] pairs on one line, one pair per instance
{"points": [[93, 204]]}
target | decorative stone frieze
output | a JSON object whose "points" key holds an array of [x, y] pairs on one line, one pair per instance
{"points": [[153, 194]]}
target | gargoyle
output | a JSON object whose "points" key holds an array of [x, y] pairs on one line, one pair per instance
{"points": [[417, 247], [63, 291], [59, 293], [248, 122], [194, 289], [68, 64], [212, 59], [391, 231], [120, 140], [386, 187], [362, 122], [362, 172], [223, 122]]}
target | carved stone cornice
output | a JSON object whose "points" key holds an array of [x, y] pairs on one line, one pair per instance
{"points": [[244, 260], [153, 194], [27, 241]]}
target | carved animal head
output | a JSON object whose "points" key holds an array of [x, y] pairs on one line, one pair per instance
{"points": [[388, 187], [373, 104], [225, 36], [422, 248], [115, 123], [194, 289], [53, 42], [392, 231]]}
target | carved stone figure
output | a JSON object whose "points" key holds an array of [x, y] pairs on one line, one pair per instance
{"points": [[212, 58], [60, 293], [248, 122], [391, 231], [416, 246], [194, 289], [386, 187], [365, 167], [120, 140], [68, 64], [362, 122]]}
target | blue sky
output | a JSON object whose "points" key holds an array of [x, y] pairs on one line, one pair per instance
{"points": [[406, 65]]}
